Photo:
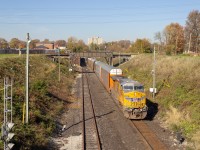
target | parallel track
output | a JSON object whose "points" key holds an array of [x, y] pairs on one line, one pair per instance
{"points": [[148, 135], [91, 139]]}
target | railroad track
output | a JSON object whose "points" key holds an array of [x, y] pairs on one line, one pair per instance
{"points": [[91, 139], [149, 136]]}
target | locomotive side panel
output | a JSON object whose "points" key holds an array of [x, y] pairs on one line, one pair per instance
{"points": [[128, 93], [98, 70]]}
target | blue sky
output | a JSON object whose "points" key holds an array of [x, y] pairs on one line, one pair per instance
{"points": [[110, 19]]}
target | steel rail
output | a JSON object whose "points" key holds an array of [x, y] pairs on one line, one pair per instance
{"points": [[85, 81], [94, 117], [149, 136], [83, 113]]}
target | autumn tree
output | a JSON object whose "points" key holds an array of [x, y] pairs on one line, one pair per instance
{"points": [[3, 44], [76, 45], [33, 43], [46, 41], [117, 46], [192, 31], [17, 44], [22, 45], [141, 46], [174, 38], [82, 46], [60, 43]]}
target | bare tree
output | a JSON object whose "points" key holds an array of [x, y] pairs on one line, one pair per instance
{"points": [[192, 31]]}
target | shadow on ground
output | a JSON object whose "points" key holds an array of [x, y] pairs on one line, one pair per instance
{"points": [[152, 110]]}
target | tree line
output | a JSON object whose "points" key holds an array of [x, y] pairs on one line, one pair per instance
{"points": [[72, 43], [174, 39]]}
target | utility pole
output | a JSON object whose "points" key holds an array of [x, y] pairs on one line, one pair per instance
{"points": [[154, 72], [176, 44], [197, 45], [27, 76], [59, 65], [119, 58], [189, 42]]}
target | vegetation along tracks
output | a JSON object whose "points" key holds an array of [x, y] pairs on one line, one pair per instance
{"points": [[91, 139]]}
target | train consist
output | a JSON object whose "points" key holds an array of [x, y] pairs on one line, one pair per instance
{"points": [[128, 93]]}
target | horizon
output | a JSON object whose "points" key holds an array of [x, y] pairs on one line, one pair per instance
{"points": [[112, 21]]}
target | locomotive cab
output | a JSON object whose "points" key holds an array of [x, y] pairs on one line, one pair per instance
{"points": [[134, 99]]}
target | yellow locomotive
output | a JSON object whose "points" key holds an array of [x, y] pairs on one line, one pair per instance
{"points": [[128, 93], [131, 97]]}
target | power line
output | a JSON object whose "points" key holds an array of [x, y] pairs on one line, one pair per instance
{"points": [[98, 8], [92, 15], [95, 22]]}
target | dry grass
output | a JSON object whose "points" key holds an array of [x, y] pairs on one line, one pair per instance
{"points": [[173, 117], [196, 139], [178, 84]]}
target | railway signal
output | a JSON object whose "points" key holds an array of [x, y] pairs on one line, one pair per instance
{"points": [[7, 126], [7, 135]]}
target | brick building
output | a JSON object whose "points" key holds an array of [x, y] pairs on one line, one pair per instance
{"points": [[43, 45]]}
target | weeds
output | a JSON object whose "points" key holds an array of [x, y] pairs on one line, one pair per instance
{"points": [[46, 101]]}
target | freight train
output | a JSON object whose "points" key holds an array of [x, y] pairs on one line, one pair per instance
{"points": [[128, 93]]}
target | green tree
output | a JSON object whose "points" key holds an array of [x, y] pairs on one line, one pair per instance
{"points": [[94, 47], [141, 46], [71, 43]]}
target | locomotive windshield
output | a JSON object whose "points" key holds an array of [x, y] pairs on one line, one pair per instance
{"points": [[133, 88], [128, 87], [138, 88]]}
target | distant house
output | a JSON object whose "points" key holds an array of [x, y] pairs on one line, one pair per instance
{"points": [[43, 45], [61, 47]]}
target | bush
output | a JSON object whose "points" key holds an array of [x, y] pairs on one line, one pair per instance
{"points": [[44, 104]]}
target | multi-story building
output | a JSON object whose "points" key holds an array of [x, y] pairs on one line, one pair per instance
{"points": [[95, 40]]}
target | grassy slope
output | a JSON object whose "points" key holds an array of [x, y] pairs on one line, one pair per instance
{"points": [[48, 98], [178, 83], [8, 55]]}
